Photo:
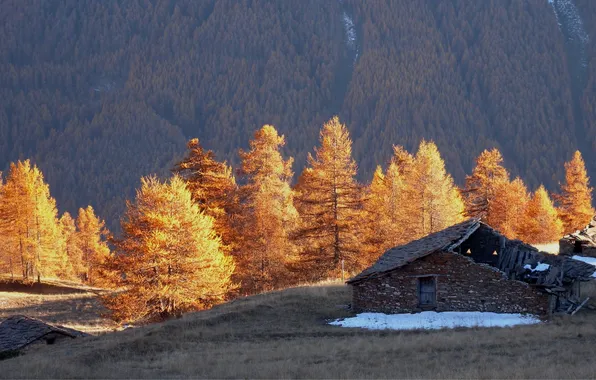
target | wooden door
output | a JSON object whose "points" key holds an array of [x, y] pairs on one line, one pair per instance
{"points": [[427, 291]]}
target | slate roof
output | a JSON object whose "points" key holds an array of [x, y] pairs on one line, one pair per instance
{"points": [[516, 254], [402, 255], [588, 234], [19, 331]]}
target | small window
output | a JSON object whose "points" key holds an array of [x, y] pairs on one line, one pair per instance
{"points": [[427, 291]]}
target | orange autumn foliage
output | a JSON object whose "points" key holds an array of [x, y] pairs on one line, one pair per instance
{"points": [[509, 206], [169, 259], [329, 202], [541, 222], [482, 185], [267, 215], [575, 200]]}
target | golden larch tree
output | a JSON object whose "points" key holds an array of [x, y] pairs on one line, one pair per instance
{"points": [[480, 189], [509, 206], [330, 205], [436, 201], [541, 221], [91, 235], [212, 185], [376, 226], [386, 212], [72, 247], [575, 200], [169, 258], [30, 225], [267, 215], [402, 159]]}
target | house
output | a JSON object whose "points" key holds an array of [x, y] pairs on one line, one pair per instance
{"points": [[581, 243], [469, 267], [19, 331]]}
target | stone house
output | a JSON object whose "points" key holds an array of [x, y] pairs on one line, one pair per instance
{"points": [[581, 243], [469, 267]]}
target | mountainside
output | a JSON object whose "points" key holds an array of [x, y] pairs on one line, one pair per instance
{"points": [[101, 93]]}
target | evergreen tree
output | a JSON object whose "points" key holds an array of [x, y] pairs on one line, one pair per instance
{"points": [[267, 213], [575, 200], [541, 222], [330, 207], [30, 225], [212, 185], [436, 202], [480, 189], [91, 239], [169, 258]]}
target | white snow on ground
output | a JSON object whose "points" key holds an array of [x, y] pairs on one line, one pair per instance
{"points": [[588, 260], [539, 268], [429, 320]]}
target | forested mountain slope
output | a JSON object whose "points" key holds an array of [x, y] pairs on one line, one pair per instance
{"points": [[100, 93]]}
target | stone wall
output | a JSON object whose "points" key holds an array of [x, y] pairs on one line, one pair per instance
{"points": [[567, 248], [462, 285]]}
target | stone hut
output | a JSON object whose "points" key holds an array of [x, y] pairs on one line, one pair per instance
{"points": [[19, 331], [469, 267], [581, 243]]}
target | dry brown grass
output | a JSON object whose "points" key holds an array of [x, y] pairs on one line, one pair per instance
{"points": [[284, 335], [76, 307]]}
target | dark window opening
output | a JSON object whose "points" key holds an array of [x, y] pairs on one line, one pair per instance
{"points": [[427, 291], [577, 247]]}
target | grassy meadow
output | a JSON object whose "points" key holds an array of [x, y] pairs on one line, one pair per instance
{"points": [[284, 334]]}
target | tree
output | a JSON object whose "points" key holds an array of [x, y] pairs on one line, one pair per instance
{"points": [[377, 223], [575, 200], [541, 222], [386, 211], [91, 238], [72, 247], [267, 213], [436, 202], [29, 224], [169, 257], [330, 207], [480, 189], [509, 205], [212, 185]]}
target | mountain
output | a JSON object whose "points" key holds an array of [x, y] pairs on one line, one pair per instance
{"points": [[101, 93]]}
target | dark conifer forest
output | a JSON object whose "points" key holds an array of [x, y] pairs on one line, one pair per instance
{"points": [[100, 93]]}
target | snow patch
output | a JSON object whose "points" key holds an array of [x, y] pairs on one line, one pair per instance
{"points": [[430, 320], [587, 260], [350, 31], [568, 17], [539, 268]]}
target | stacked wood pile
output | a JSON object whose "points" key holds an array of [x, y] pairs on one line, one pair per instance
{"points": [[19, 331]]}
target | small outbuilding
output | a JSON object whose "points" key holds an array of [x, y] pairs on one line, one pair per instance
{"points": [[469, 267], [581, 243], [19, 331]]}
